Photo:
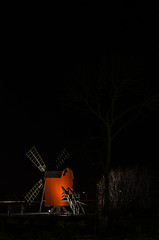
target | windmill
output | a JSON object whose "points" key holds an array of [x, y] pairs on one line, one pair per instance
{"points": [[57, 185]]}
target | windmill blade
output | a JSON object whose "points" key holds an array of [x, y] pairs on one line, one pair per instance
{"points": [[66, 153], [62, 158], [32, 194], [35, 157]]}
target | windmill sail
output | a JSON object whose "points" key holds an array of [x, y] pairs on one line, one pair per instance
{"points": [[63, 156], [35, 157], [32, 194]]}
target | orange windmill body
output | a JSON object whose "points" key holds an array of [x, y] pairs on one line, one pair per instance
{"points": [[53, 188], [57, 185]]}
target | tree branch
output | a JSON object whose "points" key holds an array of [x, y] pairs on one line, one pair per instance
{"points": [[122, 114], [125, 125]]}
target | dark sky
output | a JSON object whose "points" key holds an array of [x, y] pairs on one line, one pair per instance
{"points": [[38, 51]]}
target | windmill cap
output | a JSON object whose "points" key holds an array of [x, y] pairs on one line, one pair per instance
{"points": [[56, 174], [53, 174]]}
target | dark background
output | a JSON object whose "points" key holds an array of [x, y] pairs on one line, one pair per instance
{"points": [[40, 49]]}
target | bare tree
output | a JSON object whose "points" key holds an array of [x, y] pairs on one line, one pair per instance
{"points": [[116, 93]]}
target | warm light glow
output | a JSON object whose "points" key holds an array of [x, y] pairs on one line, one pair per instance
{"points": [[53, 190]]}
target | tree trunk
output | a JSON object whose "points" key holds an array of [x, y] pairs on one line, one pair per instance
{"points": [[106, 195], [106, 175]]}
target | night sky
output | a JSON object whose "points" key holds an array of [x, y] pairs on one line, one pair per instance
{"points": [[39, 52]]}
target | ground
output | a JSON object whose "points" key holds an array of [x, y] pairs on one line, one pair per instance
{"points": [[86, 227]]}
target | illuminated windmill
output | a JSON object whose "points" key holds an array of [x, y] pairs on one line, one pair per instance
{"points": [[57, 185]]}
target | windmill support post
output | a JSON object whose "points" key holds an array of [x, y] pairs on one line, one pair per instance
{"points": [[42, 197]]}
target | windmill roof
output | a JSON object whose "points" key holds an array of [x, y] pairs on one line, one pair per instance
{"points": [[53, 174]]}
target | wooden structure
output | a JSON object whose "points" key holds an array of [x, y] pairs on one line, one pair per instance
{"points": [[57, 186]]}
